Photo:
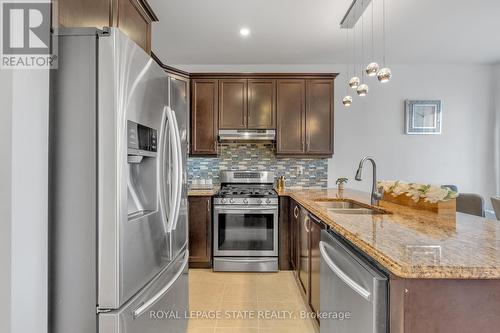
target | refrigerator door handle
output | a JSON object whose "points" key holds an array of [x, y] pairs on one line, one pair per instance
{"points": [[161, 168], [144, 306], [175, 169], [180, 170]]}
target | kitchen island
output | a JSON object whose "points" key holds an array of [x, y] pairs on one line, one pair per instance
{"points": [[444, 273]]}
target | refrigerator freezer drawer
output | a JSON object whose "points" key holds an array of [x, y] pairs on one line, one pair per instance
{"points": [[160, 307]]}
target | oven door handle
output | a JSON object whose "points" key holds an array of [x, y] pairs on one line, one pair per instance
{"points": [[218, 210], [247, 259]]}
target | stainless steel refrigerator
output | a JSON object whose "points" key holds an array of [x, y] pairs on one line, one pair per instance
{"points": [[118, 198]]}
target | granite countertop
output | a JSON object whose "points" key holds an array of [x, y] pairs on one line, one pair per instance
{"points": [[203, 192], [413, 243]]}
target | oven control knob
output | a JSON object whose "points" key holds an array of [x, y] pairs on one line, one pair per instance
{"points": [[268, 201], [223, 200], [245, 201], [231, 200], [259, 201]]}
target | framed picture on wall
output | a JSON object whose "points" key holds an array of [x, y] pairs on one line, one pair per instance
{"points": [[423, 117]]}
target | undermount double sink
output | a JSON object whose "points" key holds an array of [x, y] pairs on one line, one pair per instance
{"points": [[347, 207]]}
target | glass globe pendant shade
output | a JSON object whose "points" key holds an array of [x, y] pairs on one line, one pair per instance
{"points": [[384, 75], [354, 82], [347, 101], [372, 69], [362, 90]]}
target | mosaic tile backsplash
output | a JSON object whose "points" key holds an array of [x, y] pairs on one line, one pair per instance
{"points": [[305, 172]]}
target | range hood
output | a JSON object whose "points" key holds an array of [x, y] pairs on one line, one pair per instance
{"points": [[247, 135]]}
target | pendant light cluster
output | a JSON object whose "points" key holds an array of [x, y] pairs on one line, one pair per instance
{"points": [[383, 73]]}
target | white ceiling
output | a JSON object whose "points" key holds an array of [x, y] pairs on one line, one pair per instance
{"points": [[307, 31]]}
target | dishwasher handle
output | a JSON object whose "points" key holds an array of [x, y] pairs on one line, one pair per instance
{"points": [[342, 275]]}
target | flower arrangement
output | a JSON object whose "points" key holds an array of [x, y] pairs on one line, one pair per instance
{"points": [[427, 192]]}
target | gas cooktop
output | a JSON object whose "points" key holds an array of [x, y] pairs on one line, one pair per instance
{"points": [[247, 188]]}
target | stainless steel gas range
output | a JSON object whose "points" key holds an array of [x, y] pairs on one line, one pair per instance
{"points": [[246, 222]]}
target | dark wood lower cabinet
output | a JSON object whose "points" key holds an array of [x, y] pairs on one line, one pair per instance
{"points": [[294, 232], [444, 305], [284, 238], [200, 232]]}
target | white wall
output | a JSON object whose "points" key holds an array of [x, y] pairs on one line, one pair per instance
{"points": [[23, 243], [496, 101], [463, 155], [5, 196]]}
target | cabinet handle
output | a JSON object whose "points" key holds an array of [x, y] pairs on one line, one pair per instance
{"points": [[208, 205], [303, 145], [296, 212], [305, 224]]}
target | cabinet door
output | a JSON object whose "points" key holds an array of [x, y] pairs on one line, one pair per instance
{"points": [[315, 227], [204, 118], [233, 104], [261, 104], [290, 107], [132, 20], [304, 264], [200, 232], [319, 117], [294, 232]]}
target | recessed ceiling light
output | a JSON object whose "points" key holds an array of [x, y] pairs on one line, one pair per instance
{"points": [[245, 32]]}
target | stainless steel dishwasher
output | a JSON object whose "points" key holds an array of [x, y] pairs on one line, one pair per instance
{"points": [[353, 292]]}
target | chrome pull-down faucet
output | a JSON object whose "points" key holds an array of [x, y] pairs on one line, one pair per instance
{"points": [[377, 194]]}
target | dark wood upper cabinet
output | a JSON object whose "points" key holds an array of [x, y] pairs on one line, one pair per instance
{"points": [[261, 104], [133, 17], [200, 232], [233, 104], [82, 13], [319, 117], [290, 108], [204, 116], [298, 106]]}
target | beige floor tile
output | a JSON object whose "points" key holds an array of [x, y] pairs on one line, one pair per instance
{"points": [[277, 294], [237, 278], [200, 330], [247, 295], [238, 323], [281, 306], [240, 292], [201, 323], [197, 304], [236, 330], [209, 292], [300, 329], [235, 305]]}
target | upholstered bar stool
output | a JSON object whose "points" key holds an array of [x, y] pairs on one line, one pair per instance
{"points": [[470, 203]]}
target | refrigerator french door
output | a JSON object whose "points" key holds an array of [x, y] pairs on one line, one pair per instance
{"points": [[118, 226]]}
